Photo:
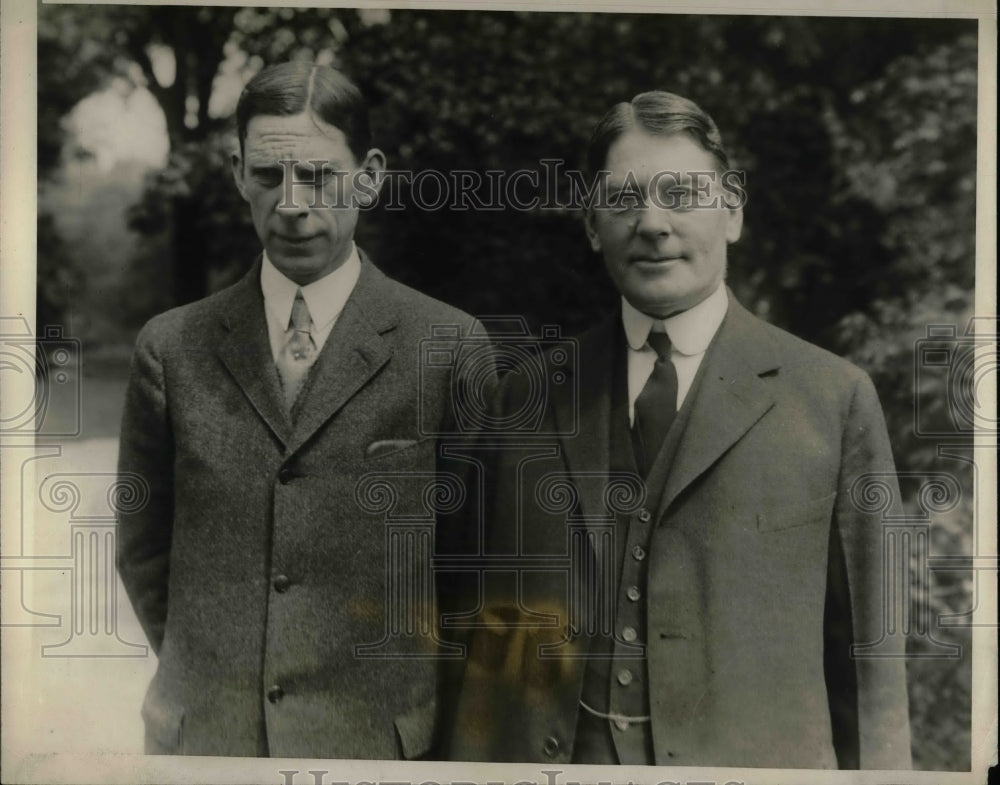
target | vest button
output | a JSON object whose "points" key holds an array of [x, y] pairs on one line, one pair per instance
{"points": [[285, 476], [644, 515], [551, 746], [629, 634], [624, 677], [633, 593], [275, 693], [621, 723], [638, 553]]}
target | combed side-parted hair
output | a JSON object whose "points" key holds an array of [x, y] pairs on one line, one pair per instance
{"points": [[290, 89], [659, 113]]}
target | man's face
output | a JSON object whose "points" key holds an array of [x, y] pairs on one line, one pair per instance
{"points": [[307, 226], [664, 242]]}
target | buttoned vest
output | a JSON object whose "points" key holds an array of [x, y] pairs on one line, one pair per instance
{"points": [[616, 677]]}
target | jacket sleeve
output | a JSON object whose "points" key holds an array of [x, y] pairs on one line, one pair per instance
{"points": [[459, 532], [869, 568], [146, 451]]}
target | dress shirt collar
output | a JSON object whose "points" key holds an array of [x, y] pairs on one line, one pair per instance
{"points": [[690, 331], [325, 298]]}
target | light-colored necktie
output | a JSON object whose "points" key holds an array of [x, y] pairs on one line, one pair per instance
{"points": [[299, 352]]}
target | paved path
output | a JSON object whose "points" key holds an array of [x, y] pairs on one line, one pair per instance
{"points": [[57, 696]]}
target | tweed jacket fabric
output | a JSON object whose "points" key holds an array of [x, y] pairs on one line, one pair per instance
{"points": [[254, 565]]}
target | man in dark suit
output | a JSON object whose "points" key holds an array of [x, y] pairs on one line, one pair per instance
{"points": [[693, 566], [257, 575]]}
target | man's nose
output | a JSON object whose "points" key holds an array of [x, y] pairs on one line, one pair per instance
{"points": [[297, 199], [654, 219]]}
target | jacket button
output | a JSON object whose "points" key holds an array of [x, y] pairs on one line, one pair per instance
{"points": [[644, 515], [285, 476], [624, 677], [621, 723], [638, 553], [629, 634], [275, 693], [551, 746], [281, 583], [633, 593]]}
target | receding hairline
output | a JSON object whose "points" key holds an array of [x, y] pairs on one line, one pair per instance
{"points": [[657, 113], [300, 88]]}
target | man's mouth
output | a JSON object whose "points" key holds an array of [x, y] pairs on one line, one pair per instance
{"points": [[654, 259]]}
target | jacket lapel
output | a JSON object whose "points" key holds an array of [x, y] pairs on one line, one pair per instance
{"points": [[354, 352], [730, 399], [245, 350], [582, 412]]}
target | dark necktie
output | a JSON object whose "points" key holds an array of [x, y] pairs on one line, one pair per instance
{"points": [[656, 406]]}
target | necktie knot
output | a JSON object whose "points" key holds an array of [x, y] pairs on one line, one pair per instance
{"points": [[660, 343], [300, 320]]}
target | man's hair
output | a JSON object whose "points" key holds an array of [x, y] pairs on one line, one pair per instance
{"points": [[659, 113], [290, 89]]}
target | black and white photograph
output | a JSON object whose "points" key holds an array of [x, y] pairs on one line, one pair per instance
{"points": [[498, 393]]}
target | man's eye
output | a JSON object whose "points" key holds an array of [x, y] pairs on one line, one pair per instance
{"points": [[269, 178], [625, 201], [678, 199]]}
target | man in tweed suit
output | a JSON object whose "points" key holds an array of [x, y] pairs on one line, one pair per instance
{"points": [[251, 415]]}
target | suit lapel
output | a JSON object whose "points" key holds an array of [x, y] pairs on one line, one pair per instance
{"points": [[354, 352], [582, 411], [245, 350], [730, 399]]}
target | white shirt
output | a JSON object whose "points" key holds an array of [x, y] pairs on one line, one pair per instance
{"points": [[325, 299], [690, 333]]}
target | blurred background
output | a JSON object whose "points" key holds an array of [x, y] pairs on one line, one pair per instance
{"points": [[858, 136]]}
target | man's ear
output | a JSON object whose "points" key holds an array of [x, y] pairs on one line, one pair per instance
{"points": [[373, 168], [237, 164], [734, 223], [591, 229]]}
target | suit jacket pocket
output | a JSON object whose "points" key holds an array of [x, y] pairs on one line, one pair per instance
{"points": [[415, 729], [164, 721], [799, 514], [391, 447]]}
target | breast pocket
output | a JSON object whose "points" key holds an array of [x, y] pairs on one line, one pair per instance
{"points": [[792, 516], [393, 453]]}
